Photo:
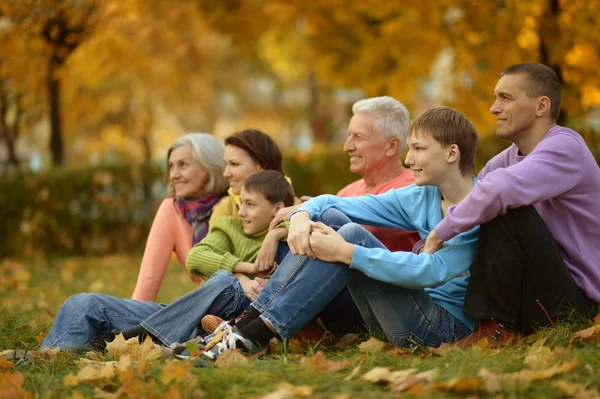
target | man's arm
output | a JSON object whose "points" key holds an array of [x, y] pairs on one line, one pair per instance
{"points": [[551, 170]]}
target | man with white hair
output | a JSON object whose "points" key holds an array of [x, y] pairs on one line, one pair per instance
{"points": [[376, 140]]}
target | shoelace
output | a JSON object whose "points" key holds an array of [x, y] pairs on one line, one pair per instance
{"points": [[227, 341]]}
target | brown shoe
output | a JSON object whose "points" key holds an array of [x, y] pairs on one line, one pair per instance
{"points": [[210, 323], [491, 330]]}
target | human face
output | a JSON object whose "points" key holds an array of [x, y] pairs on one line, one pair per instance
{"points": [[514, 109], [427, 158], [239, 166], [256, 212], [366, 147], [187, 175]]}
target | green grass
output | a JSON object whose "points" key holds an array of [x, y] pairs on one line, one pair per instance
{"points": [[32, 292]]}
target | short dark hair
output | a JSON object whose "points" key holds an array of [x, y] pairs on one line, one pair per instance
{"points": [[448, 126], [541, 80], [259, 146], [272, 185]]}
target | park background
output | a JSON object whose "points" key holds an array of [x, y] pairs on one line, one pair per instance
{"points": [[92, 92]]}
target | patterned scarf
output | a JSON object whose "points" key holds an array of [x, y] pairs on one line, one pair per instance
{"points": [[197, 212]]}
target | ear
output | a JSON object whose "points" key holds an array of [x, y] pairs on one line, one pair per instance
{"points": [[453, 154], [393, 146], [543, 106], [277, 207]]}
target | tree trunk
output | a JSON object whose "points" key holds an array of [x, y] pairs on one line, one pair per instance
{"points": [[56, 139]]}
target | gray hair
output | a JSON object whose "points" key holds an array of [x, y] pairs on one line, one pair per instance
{"points": [[390, 116], [210, 153]]}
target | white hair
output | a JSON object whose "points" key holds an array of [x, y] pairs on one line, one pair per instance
{"points": [[390, 116], [210, 153]]}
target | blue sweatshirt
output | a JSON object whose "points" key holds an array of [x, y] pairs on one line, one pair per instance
{"points": [[444, 274]]}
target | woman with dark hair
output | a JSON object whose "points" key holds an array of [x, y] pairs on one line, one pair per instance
{"points": [[246, 152]]}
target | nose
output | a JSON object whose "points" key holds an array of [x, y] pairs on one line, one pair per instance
{"points": [[495, 108], [242, 211], [410, 159], [349, 145], [174, 172], [226, 172]]}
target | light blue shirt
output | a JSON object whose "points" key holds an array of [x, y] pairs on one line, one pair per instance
{"points": [[444, 274]]}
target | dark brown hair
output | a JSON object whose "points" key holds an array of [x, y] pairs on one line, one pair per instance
{"points": [[448, 126], [259, 146], [540, 80], [272, 185]]}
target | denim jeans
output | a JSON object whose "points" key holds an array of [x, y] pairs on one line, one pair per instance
{"points": [[301, 287], [85, 316]]}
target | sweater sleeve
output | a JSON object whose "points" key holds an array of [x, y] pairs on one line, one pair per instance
{"points": [[410, 270], [159, 248], [385, 210], [552, 169], [214, 252]]}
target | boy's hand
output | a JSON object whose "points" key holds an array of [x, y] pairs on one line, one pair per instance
{"points": [[282, 215], [265, 259], [328, 245], [299, 234]]}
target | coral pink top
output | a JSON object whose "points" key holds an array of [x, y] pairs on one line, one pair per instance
{"points": [[170, 232], [393, 239]]}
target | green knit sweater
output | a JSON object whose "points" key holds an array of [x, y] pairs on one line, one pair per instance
{"points": [[224, 246]]}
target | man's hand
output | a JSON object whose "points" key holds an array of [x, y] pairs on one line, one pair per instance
{"points": [[299, 234], [328, 245], [305, 198], [282, 215], [432, 243]]}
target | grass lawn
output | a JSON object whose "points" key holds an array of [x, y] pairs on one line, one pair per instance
{"points": [[550, 364]]}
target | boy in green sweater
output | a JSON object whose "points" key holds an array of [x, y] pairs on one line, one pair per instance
{"points": [[87, 321]]}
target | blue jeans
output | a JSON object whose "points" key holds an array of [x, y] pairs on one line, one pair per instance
{"points": [[85, 316], [301, 287]]}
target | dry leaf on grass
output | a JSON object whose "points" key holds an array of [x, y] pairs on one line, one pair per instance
{"points": [[175, 371], [443, 349], [230, 358], [145, 351], [11, 386], [539, 356], [320, 363], [353, 374], [491, 381], [412, 380], [6, 365], [373, 345], [589, 334], [576, 390], [286, 390]]}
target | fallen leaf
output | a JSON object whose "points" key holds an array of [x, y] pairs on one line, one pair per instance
{"points": [[443, 349], [353, 374], [70, 380], [589, 334], [539, 356], [175, 371], [385, 375], [596, 320], [576, 390], [230, 358], [373, 345], [6, 365], [491, 380], [285, 390], [40, 337], [462, 384], [346, 341], [11, 386], [320, 363], [534, 375]]}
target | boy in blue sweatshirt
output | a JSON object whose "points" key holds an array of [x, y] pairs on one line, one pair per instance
{"points": [[408, 296]]}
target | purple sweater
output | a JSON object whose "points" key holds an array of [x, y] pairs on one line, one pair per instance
{"points": [[561, 179]]}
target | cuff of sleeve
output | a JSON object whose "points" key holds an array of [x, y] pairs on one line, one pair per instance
{"points": [[360, 259], [444, 230], [417, 247], [297, 211], [228, 261]]}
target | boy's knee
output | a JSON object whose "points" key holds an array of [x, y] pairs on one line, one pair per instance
{"points": [[352, 232], [220, 276], [80, 301]]}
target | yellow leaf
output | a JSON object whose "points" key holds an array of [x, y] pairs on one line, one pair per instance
{"points": [[174, 371], [589, 334], [576, 390], [320, 363], [353, 374], [70, 380], [539, 356], [373, 345], [6, 365], [443, 349], [231, 358], [303, 390]]}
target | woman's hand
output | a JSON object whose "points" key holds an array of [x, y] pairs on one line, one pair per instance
{"points": [[328, 245]]}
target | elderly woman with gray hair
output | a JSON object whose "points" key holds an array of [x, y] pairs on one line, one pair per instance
{"points": [[195, 181]]}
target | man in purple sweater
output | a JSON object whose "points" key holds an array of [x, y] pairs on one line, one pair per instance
{"points": [[538, 255]]}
